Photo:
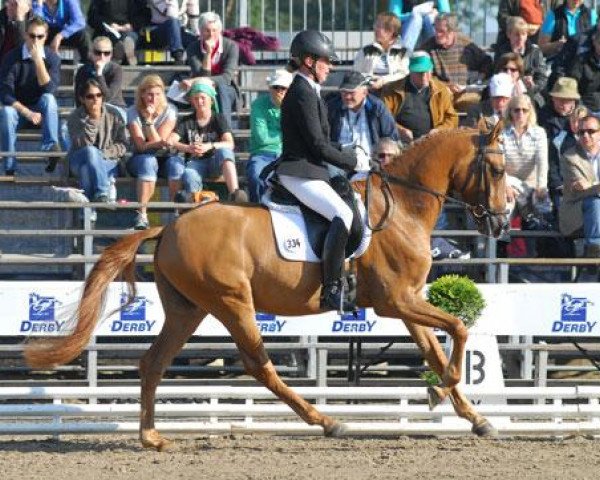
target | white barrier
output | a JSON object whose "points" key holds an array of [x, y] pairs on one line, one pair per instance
{"points": [[42, 308], [573, 410]]}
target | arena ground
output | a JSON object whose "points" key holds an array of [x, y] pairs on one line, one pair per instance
{"points": [[271, 457]]}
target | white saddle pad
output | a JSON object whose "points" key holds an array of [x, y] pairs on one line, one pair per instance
{"points": [[290, 232]]}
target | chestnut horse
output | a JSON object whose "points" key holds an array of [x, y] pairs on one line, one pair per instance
{"points": [[221, 259]]}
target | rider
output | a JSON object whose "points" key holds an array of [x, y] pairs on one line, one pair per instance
{"points": [[306, 152]]}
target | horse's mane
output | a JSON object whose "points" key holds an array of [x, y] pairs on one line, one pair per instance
{"points": [[415, 151]]}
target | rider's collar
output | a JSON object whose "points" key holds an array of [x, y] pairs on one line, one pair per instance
{"points": [[314, 85]]}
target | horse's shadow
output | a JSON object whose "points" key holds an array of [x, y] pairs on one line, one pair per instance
{"points": [[65, 444]]}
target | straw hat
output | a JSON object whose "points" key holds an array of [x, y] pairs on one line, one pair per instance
{"points": [[565, 87]]}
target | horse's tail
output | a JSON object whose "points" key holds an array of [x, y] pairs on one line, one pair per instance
{"points": [[117, 259]]}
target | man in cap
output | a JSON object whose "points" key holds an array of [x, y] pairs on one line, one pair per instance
{"points": [[422, 104], [487, 114], [419, 103], [206, 139], [554, 118], [358, 118], [265, 130]]}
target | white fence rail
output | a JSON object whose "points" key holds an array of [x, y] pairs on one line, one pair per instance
{"points": [[218, 410]]}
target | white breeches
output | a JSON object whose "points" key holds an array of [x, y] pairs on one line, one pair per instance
{"points": [[318, 196]]}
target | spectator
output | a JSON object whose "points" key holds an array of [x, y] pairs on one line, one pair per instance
{"points": [[13, 18], [512, 64], [487, 114], [150, 121], [387, 150], [357, 118], [565, 23], [66, 25], [121, 21], [215, 57], [457, 61], [586, 70], [525, 147], [108, 74], [384, 60], [419, 103], [532, 11], [29, 76], [581, 201], [554, 119], [535, 70], [417, 18], [98, 141], [165, 28], [265, 131], [206, 139]]}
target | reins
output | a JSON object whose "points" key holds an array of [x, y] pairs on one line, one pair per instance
{"points": [[478, 211]]}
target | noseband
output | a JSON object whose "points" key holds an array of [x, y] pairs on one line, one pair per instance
{"points": [[481, 211]]}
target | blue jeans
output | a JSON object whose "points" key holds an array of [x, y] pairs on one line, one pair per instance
{"points": [[169, 34], [199, 169], [226, 96], [11, 121], [254, 167], [591, 220], [145, 167], [415, 27], [94, 171]]}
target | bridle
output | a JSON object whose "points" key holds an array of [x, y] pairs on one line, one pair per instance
{"points": [[481, 211]]}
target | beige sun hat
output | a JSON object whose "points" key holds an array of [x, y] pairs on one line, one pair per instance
{"points": [[565, 87]]}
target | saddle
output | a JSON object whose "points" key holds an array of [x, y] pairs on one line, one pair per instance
{"points": [[290, 218]]}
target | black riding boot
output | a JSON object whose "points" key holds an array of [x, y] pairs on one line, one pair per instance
{"points": [[334, 295]]}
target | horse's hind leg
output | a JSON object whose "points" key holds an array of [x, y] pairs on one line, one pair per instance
{"points": [[436, 359], [181, 320], [239, 319]]}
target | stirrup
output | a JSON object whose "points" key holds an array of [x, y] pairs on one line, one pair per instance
{"points": [[336, 297]]}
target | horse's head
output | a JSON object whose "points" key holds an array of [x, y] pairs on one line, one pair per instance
{"points": [[484, 184]]}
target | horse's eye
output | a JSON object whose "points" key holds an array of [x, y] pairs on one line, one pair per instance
{"points": [[497, 172]]}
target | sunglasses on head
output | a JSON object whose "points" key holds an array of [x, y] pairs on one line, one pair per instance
{"points": [[589, 131], [106, 53], [35, 36], [92, 96]]}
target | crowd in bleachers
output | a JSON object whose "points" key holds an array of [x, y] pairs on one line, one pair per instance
{"points": [[419, 75]]}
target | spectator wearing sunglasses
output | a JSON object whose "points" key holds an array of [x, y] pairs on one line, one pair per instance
{"points": [[29, 77], [525, 147], [535, 70], [581, 201], [109, 74], [98, 141], [265, 131], [66, 25]]}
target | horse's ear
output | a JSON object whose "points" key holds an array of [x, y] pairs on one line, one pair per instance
{"points": [[482, 125], [495, 133]]}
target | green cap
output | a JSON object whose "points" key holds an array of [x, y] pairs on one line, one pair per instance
{"points": [[420, 62], [199, 87]]}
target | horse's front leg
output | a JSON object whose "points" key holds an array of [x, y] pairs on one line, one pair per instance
{"points": [[414, 310], [436, 359]]}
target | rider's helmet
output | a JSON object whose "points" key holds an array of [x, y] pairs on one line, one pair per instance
{"points": [[311, 43]]}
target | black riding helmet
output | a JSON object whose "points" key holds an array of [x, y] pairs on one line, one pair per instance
{"points": [[312, 43]]}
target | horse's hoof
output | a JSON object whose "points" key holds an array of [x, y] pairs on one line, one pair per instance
{"points": [[484, 429], [337, 430], [435, 396], [152, 439]]}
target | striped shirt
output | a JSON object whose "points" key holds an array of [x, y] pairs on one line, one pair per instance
{"points": [[526, 156]]}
